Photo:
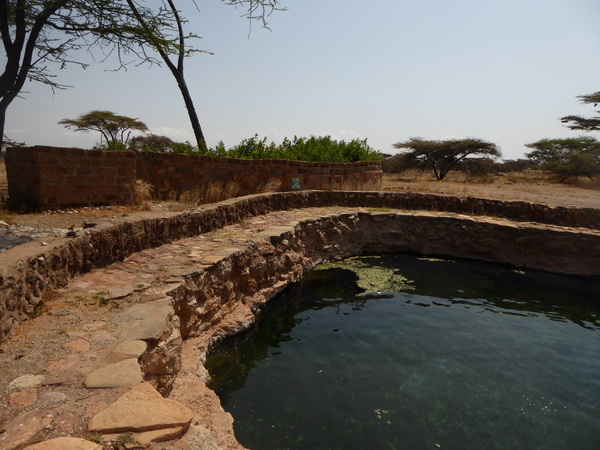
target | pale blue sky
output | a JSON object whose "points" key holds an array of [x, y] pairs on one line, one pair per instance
{"points": [[385, 70]]}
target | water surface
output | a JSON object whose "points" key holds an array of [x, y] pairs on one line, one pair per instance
{"points": [[405, 352]]}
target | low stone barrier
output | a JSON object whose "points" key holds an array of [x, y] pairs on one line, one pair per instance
{"points": [[135, 364], [29, 272]]}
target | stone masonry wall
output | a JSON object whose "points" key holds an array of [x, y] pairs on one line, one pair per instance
{"points": [[180, 173], [51, 177], [28, 271]]}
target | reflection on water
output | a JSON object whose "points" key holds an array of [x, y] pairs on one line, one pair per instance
{"points": [[406, 352]]}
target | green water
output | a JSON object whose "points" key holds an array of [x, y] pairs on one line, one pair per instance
{"points": [[402, 352]]}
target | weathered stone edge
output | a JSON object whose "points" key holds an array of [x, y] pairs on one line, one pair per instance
{"points": [[27, 273]]}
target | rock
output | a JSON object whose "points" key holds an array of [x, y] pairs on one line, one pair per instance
{"points": [[24, 427], [94, 409], [23, 398], [65, 443], [93, 326], [116, 357], [166, 434], [117, 291], [52, 397], [141, 409], [59, 380], [4, 413], [122, 373], [144, 321], [133, 348], [78, 345], [24, 382], [60, 365], [101, 337], [66, 421]]}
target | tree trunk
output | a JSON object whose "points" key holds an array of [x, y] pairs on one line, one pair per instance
{"points": [[177, 71], [2, 121], [189, 104]]}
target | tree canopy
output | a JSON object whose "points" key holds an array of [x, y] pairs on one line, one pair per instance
{"points": [[442, 156], [40, 35], [112, 127], [567, 158], [583, 123]]}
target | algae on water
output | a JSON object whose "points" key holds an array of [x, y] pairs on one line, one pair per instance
{"points": [[372, 278]]}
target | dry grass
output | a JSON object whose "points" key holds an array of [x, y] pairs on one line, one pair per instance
{"points": [[530, 186], [355, 185], [271, 185], [210, 192], [216, 191], [143, 194]]}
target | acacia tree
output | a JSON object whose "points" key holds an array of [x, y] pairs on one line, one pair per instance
{"points": [[442, 156], [255, 10], [113, 127], [153, 143], [567, 158], [38, 34], [583, 123]]}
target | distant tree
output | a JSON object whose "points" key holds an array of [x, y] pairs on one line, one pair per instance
{"points": [[515, 165], [442, 156], [153, 143], [398, 163], [40, 34], [37, 34], [256, 10], [583, 123], [567, 158], [112, 127], [477, 167]]}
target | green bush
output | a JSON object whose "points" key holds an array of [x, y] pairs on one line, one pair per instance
{"points": [[313, 149], [113, 145]]}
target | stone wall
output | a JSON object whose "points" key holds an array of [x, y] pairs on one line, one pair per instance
{"points": [[28, 271], [180, 173], [50, 177]]}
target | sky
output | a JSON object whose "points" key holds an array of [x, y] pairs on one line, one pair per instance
{"points": [[385, 70]]}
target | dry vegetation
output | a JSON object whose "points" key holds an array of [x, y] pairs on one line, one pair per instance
{"points": [[530, 186]]}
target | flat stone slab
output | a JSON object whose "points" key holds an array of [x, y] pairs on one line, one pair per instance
{"points": [[23, 398], [166, 434], [123, 373], [24, 382], [65, 443], [141, 409], [144, 321], [120, 291], [23, 427], [276, 231], [133, 348]]}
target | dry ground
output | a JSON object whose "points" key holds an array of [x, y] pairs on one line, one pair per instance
{"points": [[530, 186]]}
